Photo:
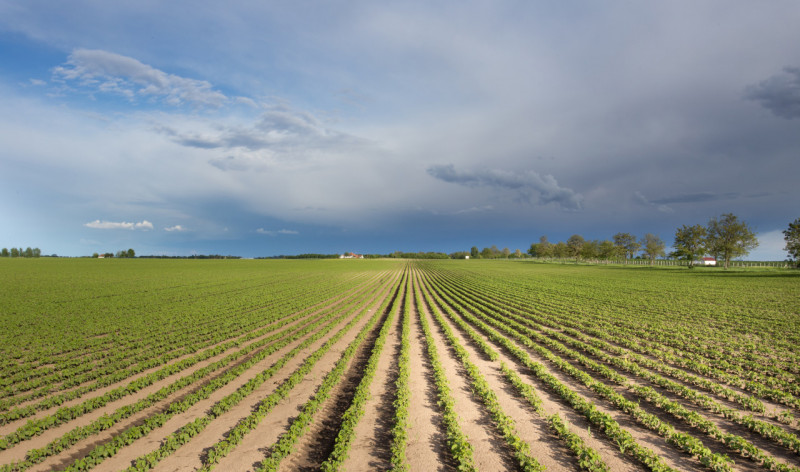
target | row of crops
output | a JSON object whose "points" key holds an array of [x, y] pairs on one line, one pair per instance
{"points": [[288, 365]]}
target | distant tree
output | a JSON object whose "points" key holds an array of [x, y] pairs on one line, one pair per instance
{"points": [[37, 252], [575, 244], [590, 250], [517, 254], [506, 252], [486, 253], [690, 243], [653, 247], [541, 249], [792, 238], [607, 250], [95, 255], [627, 244], [131, 253], [14, 252], [560, 250], [730, 238], [5, 253], [28, 252]]}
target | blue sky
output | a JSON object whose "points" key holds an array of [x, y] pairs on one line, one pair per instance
{"points": [[266, 128]]}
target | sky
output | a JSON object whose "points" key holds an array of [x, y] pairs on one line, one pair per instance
{"points": [[275, 127]]}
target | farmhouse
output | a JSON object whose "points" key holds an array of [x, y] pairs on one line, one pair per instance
{"points": [[351, 255]]}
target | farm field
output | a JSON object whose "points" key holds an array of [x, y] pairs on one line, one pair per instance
{"points": [[230, 365]]}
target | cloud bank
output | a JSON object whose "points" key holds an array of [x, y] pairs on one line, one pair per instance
{"points": [[97, 224], [545, 188]]}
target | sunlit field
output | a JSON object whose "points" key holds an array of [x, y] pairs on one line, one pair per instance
{"points": [[144, 364]]}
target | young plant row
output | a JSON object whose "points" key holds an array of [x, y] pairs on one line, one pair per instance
{"points": [[572, 328], [459, 446], [244, 426], [683, 440], [588, 458], [183, 328], [283, 447], [606, 307], [766, 430], [402, 400], [67, 414], [184, 434], [605, 422], [133, 433], [355, 411], [481, 388]]}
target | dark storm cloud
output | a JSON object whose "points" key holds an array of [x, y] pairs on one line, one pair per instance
{"points": [[780, 93], [545, 187], [697, 198]]}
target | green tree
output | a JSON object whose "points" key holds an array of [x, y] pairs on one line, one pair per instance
{"points": [[95, 255], [5, 253], [517, 254], [37, 252], [627, 244], [131, 253], [506, 252], [653, 247], [14, 252], [590, 250], [474, 253], [545, 249], [792, 238], [607, 250], [690, 243], [560, 250], [486, 253], [729, 238], [575, 244]]}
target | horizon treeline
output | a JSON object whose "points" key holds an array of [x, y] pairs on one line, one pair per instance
{"points": [[19, 252]]}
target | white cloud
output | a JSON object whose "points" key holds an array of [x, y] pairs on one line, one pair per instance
{"points": [[178, 228], [97, 224], [113, 73], [275, 233]]}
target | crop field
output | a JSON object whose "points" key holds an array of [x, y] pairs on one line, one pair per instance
{"points": [[230, 365]]}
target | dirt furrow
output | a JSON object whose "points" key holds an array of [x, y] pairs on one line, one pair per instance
{"points": [[427, 442], [645, 437], [489, 450], [191, 455], [82, 447], [255, 445], [370, 448]]}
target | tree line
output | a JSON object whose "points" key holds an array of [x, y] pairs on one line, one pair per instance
{"points": [[19, 252], [724, 238], [130, 253]]}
